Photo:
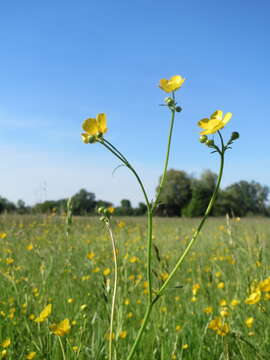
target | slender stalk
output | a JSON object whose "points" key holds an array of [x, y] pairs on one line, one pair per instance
{"points": [[166, 161], [62, 348], [114, 287], [195, 235], [141, 331], [117, 153]]}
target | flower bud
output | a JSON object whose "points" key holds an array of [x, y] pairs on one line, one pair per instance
{"points": [[101, 210], [235, 135], [178, 109], [169, 101], [209, 143], [91, 139], [203, 139], [102, 218]]}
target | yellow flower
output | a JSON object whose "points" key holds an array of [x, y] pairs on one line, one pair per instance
{"points": [[31, 355], [44, 314], [111, 209], [6, 343], [94, 127], [3, 235], [90, 255], [174, 83], [123, 334], [215, 123], [62, 328], [208, 310], [29, 247], [185, 346], [106, 272], [265, 285], [235, 302], [253, 298], [249, 322]]}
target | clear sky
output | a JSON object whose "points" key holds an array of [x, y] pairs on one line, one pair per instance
{"points": [[64, 61]]}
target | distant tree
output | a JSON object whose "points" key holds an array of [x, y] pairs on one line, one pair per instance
{"points": [[244, 198], [175, 194], [83, 202], [140, 210], [6, 205], [21, 207], [202, 191]]}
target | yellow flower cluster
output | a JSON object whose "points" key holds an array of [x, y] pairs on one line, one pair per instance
{"points": [[219, 326]]}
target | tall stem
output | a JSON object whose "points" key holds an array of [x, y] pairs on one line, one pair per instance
{"points": [[114, 287], [195, 235], [166, 161]]}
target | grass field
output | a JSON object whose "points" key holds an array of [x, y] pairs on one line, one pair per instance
{"points": [[207, 313]]}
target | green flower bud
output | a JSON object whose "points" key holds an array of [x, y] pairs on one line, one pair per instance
{"points": [[102, 218], [178, 109], [209, 143], [101, 210], [92, 139], [169, 101], [235, 135], [203, 139]]}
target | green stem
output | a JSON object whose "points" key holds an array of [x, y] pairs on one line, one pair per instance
{"points": [[121, 157], [149, 254], [114, 288], [166, 161], [141, 331], [195, 235]]}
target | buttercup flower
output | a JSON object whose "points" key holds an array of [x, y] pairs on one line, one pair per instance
{"points": [[174, 83], [62, 328], [94, 127], [215, 123], [44, 313]]}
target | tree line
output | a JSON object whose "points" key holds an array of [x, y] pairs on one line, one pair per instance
{"points": [[182, 195]]}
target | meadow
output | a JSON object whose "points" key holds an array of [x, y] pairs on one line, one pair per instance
{"points": [[55, 291]]}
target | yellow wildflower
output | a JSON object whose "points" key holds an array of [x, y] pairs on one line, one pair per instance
{"points": [[31, 355], [235, 302], [221, 285], [3, 235], [208, 310], [3, 353], [174, 83], [106, 272], [249, 322], [265, 285], [44, 314], [5, 344], [90, 255], [185, 346], [94, 127], [29, 247], [253, 298], [111, 209], [62, 328], [215, 123], [178, 328], [123, 334]]}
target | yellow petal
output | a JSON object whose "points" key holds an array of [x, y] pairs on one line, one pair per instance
{"points": [[176, 82], [227, 118], [102, 123], [90, 126], [163, 84], [85, 138], [203, 123], [44, 313], [217, 115]]}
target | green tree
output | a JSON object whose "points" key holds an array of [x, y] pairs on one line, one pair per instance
{"points": [[83, 202], [176, 193], [202, 190]]}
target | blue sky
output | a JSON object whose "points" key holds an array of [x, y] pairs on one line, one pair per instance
{"points": [[64, 61]]}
